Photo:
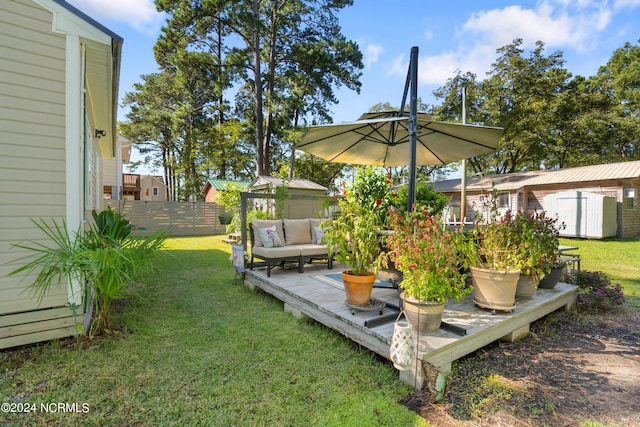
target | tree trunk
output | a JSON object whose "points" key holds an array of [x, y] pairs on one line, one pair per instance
{"points": [[258, 95]]}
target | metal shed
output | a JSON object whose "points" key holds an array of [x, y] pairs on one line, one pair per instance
{"points": [[584, 214]]}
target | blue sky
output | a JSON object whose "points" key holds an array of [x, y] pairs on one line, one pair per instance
{"points": [[451, 35]]}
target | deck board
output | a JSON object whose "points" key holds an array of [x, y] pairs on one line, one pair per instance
{"points": [[325, 303]]}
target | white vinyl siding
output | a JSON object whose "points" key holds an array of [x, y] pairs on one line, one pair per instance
{"points": [[32, 140]]}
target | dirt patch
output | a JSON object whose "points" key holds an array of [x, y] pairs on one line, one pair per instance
{"points": [[572, 368]]}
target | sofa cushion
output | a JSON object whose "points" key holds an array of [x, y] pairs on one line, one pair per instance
{"points": [[282, 252], [312, 249], [269, 237], [266, 223], [297, 231]]}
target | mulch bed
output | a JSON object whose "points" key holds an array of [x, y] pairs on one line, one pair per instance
{"points": [[572, 368]]}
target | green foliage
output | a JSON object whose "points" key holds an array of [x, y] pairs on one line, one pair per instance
{"points": [[370, 189], [101, 260], [352, 238], [596, 293], [110, 226], [426, 253], [493, 241], [538, 240]]}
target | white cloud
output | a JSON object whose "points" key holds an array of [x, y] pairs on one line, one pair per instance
{"points": [[372, 54], [556, 23], [138, 14], [560, 24]]}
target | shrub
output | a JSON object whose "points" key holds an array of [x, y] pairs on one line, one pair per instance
{"points": [[596, 292]]}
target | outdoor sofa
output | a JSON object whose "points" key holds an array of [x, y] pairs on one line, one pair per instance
{"points": [[277, 242]]}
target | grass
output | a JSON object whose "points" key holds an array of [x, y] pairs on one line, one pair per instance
{"points": [[199, 349], [617, 258]]}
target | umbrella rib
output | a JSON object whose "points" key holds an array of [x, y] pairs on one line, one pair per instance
{"points": [[461, 139]]}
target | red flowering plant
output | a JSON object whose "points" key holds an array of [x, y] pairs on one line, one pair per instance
{"points": [[425, 251]]}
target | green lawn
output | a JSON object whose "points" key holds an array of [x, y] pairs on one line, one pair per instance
{"points": [[619, 259], [198, 349]]}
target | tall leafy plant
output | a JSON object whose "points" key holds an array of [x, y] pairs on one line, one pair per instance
{"points": [[104, 259]]}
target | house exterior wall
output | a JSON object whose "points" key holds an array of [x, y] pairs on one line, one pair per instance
{"points": [[32, 142], [50, 164], [211, 196], [147, 184], [110, 175], [630, 211]]}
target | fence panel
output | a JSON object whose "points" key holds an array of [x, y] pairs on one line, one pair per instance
{"points": [[178, 218]]}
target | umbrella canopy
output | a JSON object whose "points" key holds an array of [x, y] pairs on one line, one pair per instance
{"points": [[399, 141], [385, 141]]}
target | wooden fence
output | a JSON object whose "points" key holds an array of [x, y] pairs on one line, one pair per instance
{"points": [[178, 218]]}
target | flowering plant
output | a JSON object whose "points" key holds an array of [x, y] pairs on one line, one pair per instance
{"points": [[375, 191], [596, 292], [425, 251]]}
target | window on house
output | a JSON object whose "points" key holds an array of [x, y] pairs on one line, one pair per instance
{"points": [[521, 205], [630, 197], [503, 200], [155, 191]]}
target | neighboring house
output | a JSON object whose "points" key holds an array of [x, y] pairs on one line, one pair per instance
{"points": [[294, 205], [144, 187], [213, 187], [59, 72], [584, 186], [112, 170]]}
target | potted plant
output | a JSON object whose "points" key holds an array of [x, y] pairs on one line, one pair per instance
{"points": [[537, 248], [426, 253], [353, 241], [490, 250], [549, 238]]}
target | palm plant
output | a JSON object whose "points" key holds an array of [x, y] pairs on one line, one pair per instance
{"points": [[102, 260]]}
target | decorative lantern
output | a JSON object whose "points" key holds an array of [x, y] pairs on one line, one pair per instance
{"points": [[402, 346]]}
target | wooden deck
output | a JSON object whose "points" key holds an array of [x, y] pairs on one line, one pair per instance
{"points": [[465, 329]]}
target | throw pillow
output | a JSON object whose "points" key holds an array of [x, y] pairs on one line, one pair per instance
{"points": [[320, 234], [269, 237]]}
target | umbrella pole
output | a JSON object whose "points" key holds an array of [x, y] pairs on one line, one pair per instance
{"points": [[413, 123], [463, 179]]}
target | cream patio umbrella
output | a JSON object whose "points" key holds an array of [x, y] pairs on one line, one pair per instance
{"points": [[385, 141], [400, 141]]}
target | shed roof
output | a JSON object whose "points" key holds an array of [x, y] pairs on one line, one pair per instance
{"points": [[219, 184], [263, 181], [514, 181]]}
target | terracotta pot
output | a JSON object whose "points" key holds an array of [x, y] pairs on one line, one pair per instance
{"points": [[425, 316], [550, 280], [358, 288], [494, 289], [527, 286]]}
